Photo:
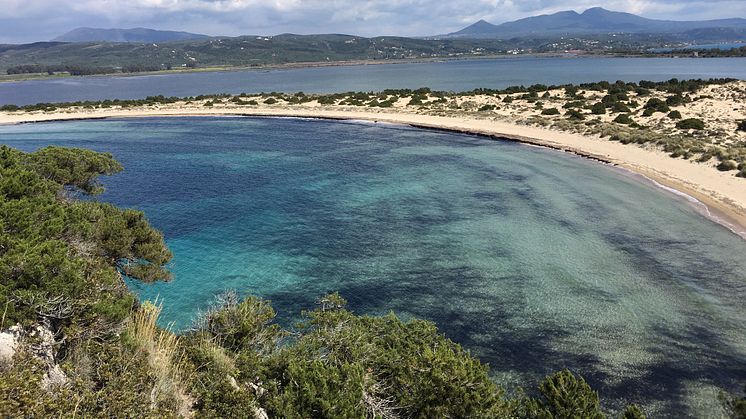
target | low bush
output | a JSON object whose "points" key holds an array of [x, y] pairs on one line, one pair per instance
{"points": [[691, 123], [574, 104], [575, 114], [598, 109], [550, 111], [623, 119], [675, 100], [327, 100], [674, 115], [735, 406], [563, 395], [727, 165], [618, 107], [656, 105]]}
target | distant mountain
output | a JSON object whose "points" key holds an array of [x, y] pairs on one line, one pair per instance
{"points": [[126, 35], [596, 20]]}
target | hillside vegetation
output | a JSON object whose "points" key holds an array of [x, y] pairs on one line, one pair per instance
{"points": [[82, 58]]}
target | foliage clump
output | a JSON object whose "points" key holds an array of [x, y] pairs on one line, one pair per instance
{"points": [[735, 406], [563, 395], [550, 111], [691, 123], [62, 259], [623, 119]]}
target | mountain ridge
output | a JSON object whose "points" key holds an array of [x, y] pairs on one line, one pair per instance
{"points": [[85, 34], [595, 20]]}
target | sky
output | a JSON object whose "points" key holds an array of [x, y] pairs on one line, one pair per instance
{"points": [[24, 21]]}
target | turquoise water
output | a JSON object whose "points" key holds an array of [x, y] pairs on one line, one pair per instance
{"points": [[532, 259], [450, 75]]}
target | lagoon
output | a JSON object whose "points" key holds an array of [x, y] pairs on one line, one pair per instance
{"points": [[450, 76], [532, 259]]}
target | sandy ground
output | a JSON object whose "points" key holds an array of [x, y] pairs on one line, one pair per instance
{"points": [[719, 195]]}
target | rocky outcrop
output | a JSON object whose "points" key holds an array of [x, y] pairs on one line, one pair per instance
{"points": [[40, 342], [9, 341]]}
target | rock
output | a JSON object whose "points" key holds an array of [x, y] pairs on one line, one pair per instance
{"points": [[40, 341], [54, 377], [43, 344], [9, 342], [260, 413], [43, 349], [233, 383]]}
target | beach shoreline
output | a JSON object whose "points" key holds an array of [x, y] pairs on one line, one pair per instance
{"points": [[718, 196]]}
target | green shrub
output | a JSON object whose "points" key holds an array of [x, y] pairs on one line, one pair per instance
{"points": [[620, 107], [508, 99], [727, 165], [327, 100], [485, 108], [623, 119], [575, 114], [675, 100], [641, 91], [656, 105], [574, 104], [691, 123], [564, 396], [633, 412], [9, 108], [598, 109], [674, 115], [44, 232], [735, 406], [419, 372], [241, 325], [550, 111]]}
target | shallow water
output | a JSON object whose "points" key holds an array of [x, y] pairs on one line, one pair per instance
{"points": [[451, 75], [534, 260]]}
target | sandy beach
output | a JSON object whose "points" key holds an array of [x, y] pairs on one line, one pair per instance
{"points": [[718, 195]]}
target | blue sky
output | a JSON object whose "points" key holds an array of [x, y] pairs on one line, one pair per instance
{"points": [[36, 20]]}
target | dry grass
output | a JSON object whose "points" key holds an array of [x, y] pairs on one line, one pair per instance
{"points": [[165, 358]]}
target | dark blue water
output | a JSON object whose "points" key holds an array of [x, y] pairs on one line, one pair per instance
{"points": [[449, 76], [533, 259]]}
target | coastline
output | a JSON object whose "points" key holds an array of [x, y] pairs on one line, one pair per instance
{"points": [[718, 196], [306, 64], [348, 63]]}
